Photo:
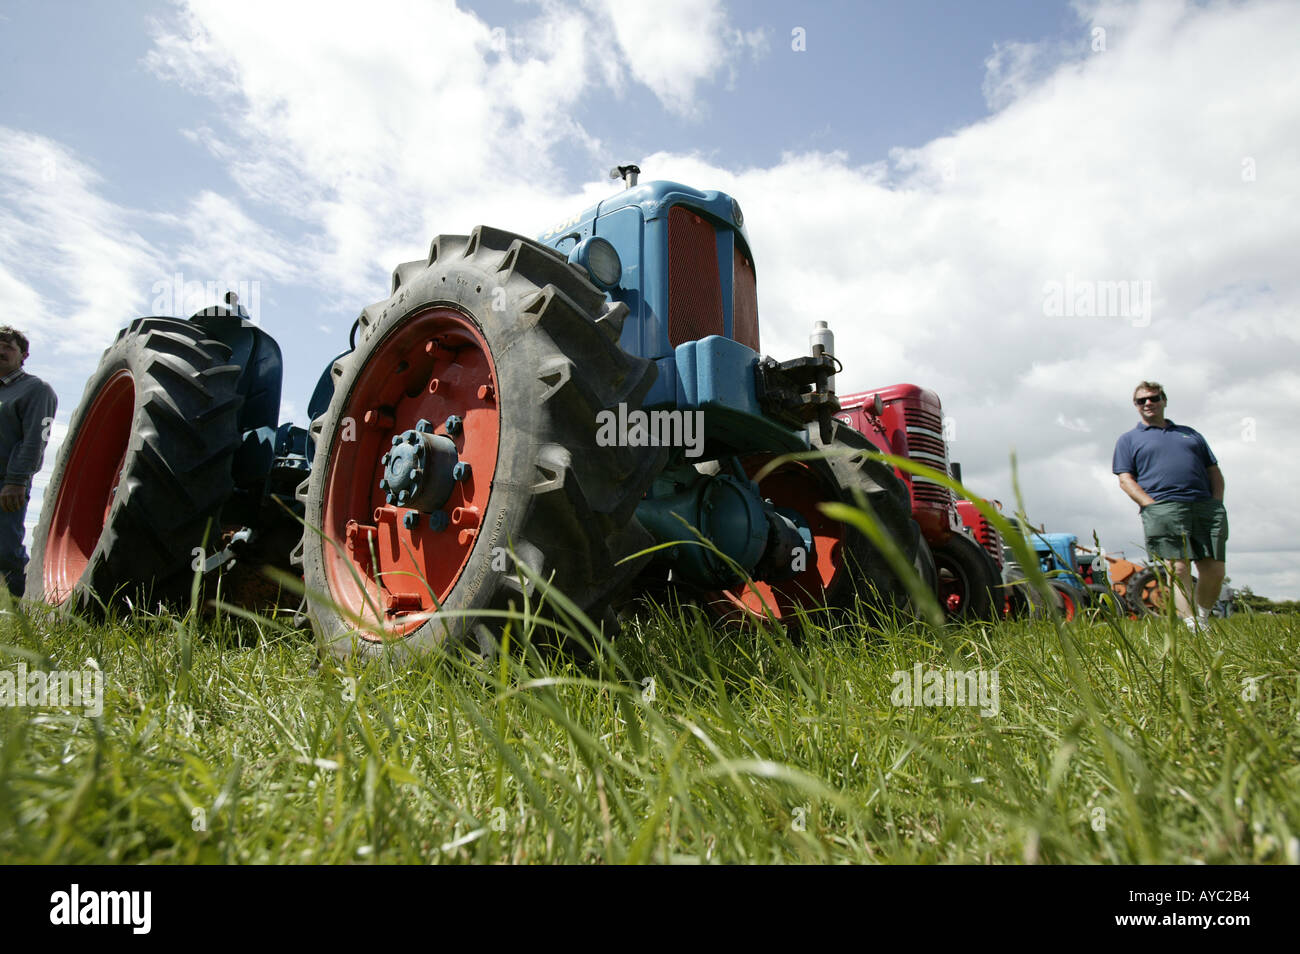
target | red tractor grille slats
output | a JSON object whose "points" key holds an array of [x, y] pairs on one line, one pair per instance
{"points": [[744, 298], [990, 539], [926, 446], [930, 492], [916, 417], [694, 289]]}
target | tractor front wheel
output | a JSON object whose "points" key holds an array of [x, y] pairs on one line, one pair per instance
{"points": [[461, 438], [968, 579], [847, 566]]}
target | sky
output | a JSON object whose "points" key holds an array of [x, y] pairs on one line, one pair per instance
{"points": [[1027, 207]]}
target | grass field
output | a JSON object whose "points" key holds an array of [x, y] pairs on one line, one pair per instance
{"points": [[221, 740]]}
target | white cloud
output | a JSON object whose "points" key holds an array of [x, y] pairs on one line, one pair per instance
{"points": [[674, 46], [75, 266]]}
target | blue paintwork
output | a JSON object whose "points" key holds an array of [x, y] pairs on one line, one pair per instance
{"points": [[1058, 551], [635, 222]]}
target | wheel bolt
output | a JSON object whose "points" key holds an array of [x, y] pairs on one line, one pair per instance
{"points": [[411, 438], [411, 520], [461, 471], [452, 424], [424, 427], [438, 521], [383, 483], [397, 439], [385, 459], [401, 496]]}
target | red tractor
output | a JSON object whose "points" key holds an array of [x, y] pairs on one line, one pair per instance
{"points": [[907, 421]]}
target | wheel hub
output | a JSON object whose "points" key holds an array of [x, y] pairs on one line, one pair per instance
{"points": [[420, 469]]}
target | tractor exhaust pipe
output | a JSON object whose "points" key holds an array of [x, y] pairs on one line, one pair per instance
{"points": [[627, 173]]}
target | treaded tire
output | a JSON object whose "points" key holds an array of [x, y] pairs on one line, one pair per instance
{"points": [[161, 412], [1025, 601], [1148, 589], [548, 341], [1069, 602], [974, 578]]}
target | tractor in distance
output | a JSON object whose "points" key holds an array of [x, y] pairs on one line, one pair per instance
{"points": [[514, 412], [907, 421]]}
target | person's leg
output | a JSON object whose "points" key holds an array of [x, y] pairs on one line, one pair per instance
{"points": [[13, 555], [1209, 580], [1183, 587]]}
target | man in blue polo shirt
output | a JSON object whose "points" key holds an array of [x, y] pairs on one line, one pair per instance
{"points": [[1173, 476]]}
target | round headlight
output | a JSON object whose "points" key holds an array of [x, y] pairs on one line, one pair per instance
{"points": [[599, 259], [736, 214]]}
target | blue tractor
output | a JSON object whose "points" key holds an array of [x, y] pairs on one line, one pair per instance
{"points": [[513, 410], [1058, 555]]}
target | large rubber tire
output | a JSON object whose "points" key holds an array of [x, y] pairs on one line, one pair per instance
{"points": [[524, 350], [1069, 599], [968, 580], [848, 568], [1148, 591], [143, 473], [1021, 600]]}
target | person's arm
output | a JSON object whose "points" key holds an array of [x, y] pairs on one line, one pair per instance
{"points": [[36, 414], [1216, 482], [1134, 490]]}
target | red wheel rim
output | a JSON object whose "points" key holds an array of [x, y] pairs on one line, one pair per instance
{"points": [[89, 485], [435, 365], [799, 487], [952, 591], [1068, 604]]}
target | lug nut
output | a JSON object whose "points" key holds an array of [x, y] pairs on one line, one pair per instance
{"points": [[486, 392], [411, 520], [424, 427], [461, 471], [438, 521], [452, 424], [383, 483], [411, 438], [397, 439]]}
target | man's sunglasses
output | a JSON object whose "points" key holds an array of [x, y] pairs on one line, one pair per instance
{"points": [[1150, 398]]}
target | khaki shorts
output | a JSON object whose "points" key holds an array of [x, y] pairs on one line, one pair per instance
{"points": [[1181, 530]]}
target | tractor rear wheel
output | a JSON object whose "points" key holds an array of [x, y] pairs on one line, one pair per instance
{"points": [[968, 579], [143, 472], [461, 436], [848, 567]]}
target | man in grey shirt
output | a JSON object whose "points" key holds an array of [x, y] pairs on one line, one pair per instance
{"points": [[27, 406]]}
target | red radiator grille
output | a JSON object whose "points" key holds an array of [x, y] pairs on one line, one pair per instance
{"points": [[990, 539], [925, 491], [744, 298], [916, 417], [694, 289]]}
